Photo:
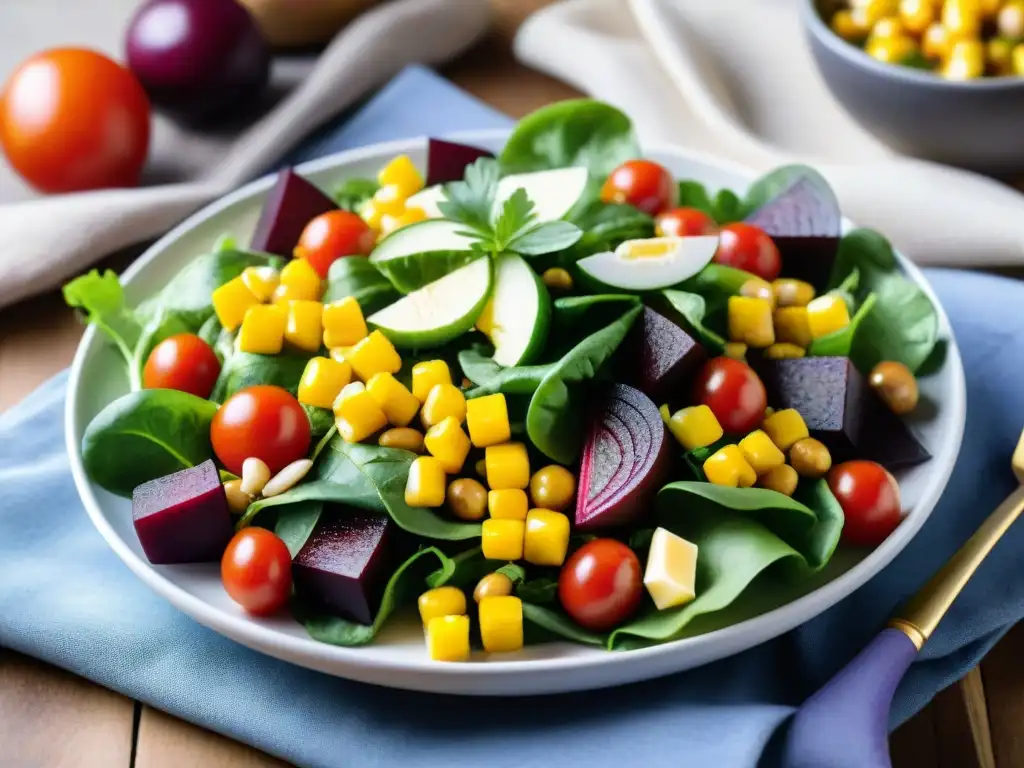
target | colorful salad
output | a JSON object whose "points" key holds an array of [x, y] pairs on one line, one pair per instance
{"points": [[552, 394]]}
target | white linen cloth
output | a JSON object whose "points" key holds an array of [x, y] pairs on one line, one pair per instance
{"points": [[735, 78]]}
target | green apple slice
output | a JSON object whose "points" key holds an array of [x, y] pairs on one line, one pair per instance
{"points": [[650, 264], [516, 318], [439, 311]]}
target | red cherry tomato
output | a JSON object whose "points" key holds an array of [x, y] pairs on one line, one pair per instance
{"points": [[600, 585], [642, 184], [332, 235], [261, 421], [183, 362], [681, 222], [733, 392], [72, 119], [747, 247], [257, 571], [870, 498]]}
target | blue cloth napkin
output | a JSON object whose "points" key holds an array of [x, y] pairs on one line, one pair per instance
{"points": [[67, 599]]}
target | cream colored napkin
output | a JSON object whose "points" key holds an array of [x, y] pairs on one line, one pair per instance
{"points": [[44, 240], [735, 78]]}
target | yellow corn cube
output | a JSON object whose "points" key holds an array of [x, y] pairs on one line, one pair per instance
{"points": [[917, 15], [508, 504], [263, 330], [487, 419], [427, 375], [784, 351], [547, 537], [785, 428], [394, 399], [783, 479], [750, 321], [502, 539], [792, 293], [322, 381], [827, 314], [352, 388], [300, 280], [262, 281], [343, 323], [388, 224], [304, 329], [410, 215], [761, 453], [736, 350], [508, 466], [426, 483], [231, 301], [339, 353], [501, 624], [374, 354], [962, 17], [389, 201], [443, 401], [695, 427], [664, 412], [372, 215], [727, 466], [402, 174], [791, 326], [966, 61], [443, 601], [845, 24], [358, 416], [448, 638], [447, 443]]}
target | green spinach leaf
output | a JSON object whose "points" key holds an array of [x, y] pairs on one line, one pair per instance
{"points": [[245, 369], [352, 193], [728, 207], [839, 343], [716, 283], [355, 276], [491, 378], [693, 309], [821, 540], [412, 272], [320, 420], [542, 591], [555, 623], [210, 332], [296, 522]]}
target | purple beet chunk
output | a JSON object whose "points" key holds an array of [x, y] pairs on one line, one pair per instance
{"points": [[291, 204], [183, 517], [841, 410], [343, 565], [625, 459], [447, 161], [668, 356]]}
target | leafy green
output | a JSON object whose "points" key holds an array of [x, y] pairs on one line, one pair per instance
{"points": [[101, 298], [716, 283], [542, 591], [549, 237], [693, 309], [245, 369], [724, 208], [728, 207], [210, 331], [412, 272], [164, 325], [320, 420], [296, 522], [491, 378], [471, 200], [352, 193], [839, 343], [820, 541], [554, 622], [464, 570], [355, 276]]}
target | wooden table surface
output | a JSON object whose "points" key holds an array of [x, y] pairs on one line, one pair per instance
{"points": [[52, 719]]}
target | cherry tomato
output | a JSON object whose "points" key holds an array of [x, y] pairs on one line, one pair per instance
{"points": [[747, 247], [600, 585], [72, 119], [642, 184], [332, 235], [733, 392], [680, 222], [261, 421], [183, 362], [257, 571], [870, 498]]}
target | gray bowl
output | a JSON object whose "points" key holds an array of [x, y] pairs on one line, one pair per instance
{"points": [[977, 124]]}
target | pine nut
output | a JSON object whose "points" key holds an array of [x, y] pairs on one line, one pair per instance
{"points": [[255, 475], [287, 478], [238, 500]]}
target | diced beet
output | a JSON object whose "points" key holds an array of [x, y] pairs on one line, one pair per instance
{"points": [[343, 565], [183, 517], [447, 161], [668, 356], [625, 459], [291, 204], [841, 410]]}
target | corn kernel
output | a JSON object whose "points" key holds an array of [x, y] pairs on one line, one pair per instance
{"points": [[848, 26], [343, 322], [502, 539], [443, 601], [508, 504], [231, 301], [936, 41], [393, 398], [358, 416], [300, 280], [448, 638], [791, 326], [547, 537], [304, 329], [501, 624], [401, 173], [425, 485], [890, 26], [966, 61], [369, 213], [426, 375], [784, 351], [374, 354], [917, 15], [262, 281], [443, 401], [736, 350], [322, 381], [508, 466], [487, 419], [876, 10], [447, 443], [750, 321], [785, 428], [411, 215], [339, 353], [792, 293], [783, 479], [999, 56], [890, 50], [1018, 59], [728, 466], [827, 314], [1010, 21], [761, 453], [263, 330], [962, 18], [389, 201], [352, 388], [990, 8], [695, 427]]}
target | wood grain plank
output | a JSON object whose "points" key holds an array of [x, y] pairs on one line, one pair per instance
{"points": [[1003, 676], [960, 735], [913, 743], [167, 742]]}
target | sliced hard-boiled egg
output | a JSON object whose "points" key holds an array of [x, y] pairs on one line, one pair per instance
{"points": [[652, 263], [671, 573]]}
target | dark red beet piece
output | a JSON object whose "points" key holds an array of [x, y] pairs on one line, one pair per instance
{"points": [[625, 459], [291, 204], [447, 161], [343, 565], [668, 356], [841, 410], [183, 517]]}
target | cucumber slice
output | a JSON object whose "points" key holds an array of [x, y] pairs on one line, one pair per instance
{"points": [[427, 200], [440, 311], [421, 253], [517, 317]]}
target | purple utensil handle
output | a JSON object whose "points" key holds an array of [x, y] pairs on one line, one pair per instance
{"points": [[846, 723]]}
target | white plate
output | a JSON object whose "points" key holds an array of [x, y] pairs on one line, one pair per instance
{"points": [[398, 658]]}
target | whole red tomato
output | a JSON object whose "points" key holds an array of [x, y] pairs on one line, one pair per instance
{"points": [[72, 119], [643, 184], [184, 362], [332, 235], [870, 498], [682, 222], [733, 392], [747, 247], [256, 570], [600, 586], [262, 421]]}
